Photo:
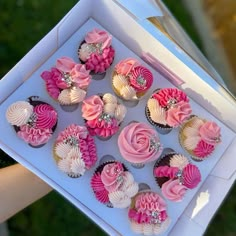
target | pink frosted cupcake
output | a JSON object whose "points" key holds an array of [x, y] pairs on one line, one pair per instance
{"points": [[96, 51], [139, 144], [199, 137], [103, 115], [174, 174], [67, 82], [167, 108], [34, 121], [131, 80], [148, 214], [75, 151], [113, 185]]}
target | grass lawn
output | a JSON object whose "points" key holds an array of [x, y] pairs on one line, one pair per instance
{"points": [[22, 24]]}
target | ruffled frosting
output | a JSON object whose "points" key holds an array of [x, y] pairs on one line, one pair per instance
{"points": [[114, 185], [173, 191], [103, 114], [67, 82], [76, 149], [139, 143], [46, 116], [125, 66], [210, 132], [19, 113], [166, 171], [34, 136]]}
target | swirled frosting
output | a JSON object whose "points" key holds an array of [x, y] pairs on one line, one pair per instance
{"points": [[67, 82], [114, 186], [46, 116], [191, 176], [139, 143], [103, 114], [19, 113], [76, 150], [210, 132], [173, 191], [124, 67], [179, 161]]}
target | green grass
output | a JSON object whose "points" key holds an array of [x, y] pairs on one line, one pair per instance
{"points": [[22, 24]]}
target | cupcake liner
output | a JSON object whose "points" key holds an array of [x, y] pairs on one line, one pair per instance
{"points": [[162, 129], [69, 108]]}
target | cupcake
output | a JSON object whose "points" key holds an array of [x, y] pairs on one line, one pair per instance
{"points": [[174, 174], [113, 185], [148, 214], [139, 144], [74, 151], [96, 51], [34, 121], [199, 137], [67, 82], [131, 80], [103, 115], [167, 108]]}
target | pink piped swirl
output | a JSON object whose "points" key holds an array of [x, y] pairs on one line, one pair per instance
{"points": [[67, 76], [176, 115], [210, 133], [92, 107], [191, 176], [34, 136], [46, 116], [203, 149], [163, 96], [139, 143], [166, 171], [126, 66], [99, 63], [173, 191], [102, 128], [141, 79], [99, 36], [85, 143], [109, 176]]}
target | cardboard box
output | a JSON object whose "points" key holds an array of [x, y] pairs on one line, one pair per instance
{"points": [[133, 36]]}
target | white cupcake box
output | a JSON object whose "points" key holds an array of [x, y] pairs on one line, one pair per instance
{"points": [[134, 35]]}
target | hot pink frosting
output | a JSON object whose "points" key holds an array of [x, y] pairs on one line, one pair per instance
{"points": [[139, 143], [191, 176], [203, 149], [92, 107], [173, 191], [53, 82], [98, 187], [210, 132], [34, 136], [99, 36], [139, 217], [164, 96], [166, 171], [46, 116], [110, 174], [86, 143], [102, 128], [125, 66], [149, 202], [177, 114], [100, 62], [141, 79], [65, 64]]}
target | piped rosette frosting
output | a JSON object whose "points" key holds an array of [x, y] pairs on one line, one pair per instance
{"points": [[67, 82], [199, 137], [174, 174], [139, 143], [148, 214], [168, 108], [75, 151], [33, 121], [103, 114], [113, 185], [131, 80], [96, 51]]}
